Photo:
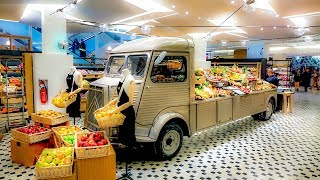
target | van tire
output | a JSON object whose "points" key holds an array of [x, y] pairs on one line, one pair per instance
{"points": [[169, 141], [266, 115]]}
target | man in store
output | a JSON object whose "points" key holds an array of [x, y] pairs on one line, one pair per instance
{"points": [[306, 79], [83, 49], [272, 78]]}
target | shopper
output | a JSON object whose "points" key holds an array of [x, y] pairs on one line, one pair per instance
{"points": [[272, 78], [297, 79], [306, 78], [83, 50], [315, 79]]}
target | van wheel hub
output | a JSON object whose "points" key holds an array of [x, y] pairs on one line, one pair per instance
{"points": [[171, 142]]}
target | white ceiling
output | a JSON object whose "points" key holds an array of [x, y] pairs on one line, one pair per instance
{"points": [[166, 23]]}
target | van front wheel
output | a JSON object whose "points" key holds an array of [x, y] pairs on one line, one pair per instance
{"points": [[169, 141]]}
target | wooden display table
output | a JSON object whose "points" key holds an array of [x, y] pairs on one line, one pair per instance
{"points": [[102, 168], [287, 102]]}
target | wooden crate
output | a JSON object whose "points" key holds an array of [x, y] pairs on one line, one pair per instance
{"points": [[51, 126], [102, 168], [50, 120], [25, 153]]}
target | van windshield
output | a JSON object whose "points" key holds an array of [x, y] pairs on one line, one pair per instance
{"points": [[135, 63]]}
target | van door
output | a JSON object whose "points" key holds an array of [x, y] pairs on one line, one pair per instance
{"points": [[166, 88]]}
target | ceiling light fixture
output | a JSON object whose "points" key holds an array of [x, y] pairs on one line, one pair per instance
{"points": [[299, 31], [274, 27], [173, 6], [232, 2], [288, 26], [224, 43], [261, 29], [187, 12], [199, 17], [308, 39], [103, 27], [145, 29]]}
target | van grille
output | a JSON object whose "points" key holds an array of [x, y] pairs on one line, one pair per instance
{"points": [[94, 101]]}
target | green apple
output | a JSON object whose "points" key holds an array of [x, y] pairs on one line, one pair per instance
{"points": [[52, 154], [56, 161], [39, 164], [45, 152], [48, 159], [52, 164], [46, 164]]}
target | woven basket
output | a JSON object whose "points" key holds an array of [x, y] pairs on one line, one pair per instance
{"points": [[31, 138], [50, 121], [110, 120], [58, 137], [92, 152], [66, 103], [54, 172]]}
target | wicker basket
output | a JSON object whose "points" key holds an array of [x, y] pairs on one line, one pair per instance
{"points": [[110, 120], [66, 103], [30, 138], [55, 172], [92, 152], [50, 121], [58, 137]]}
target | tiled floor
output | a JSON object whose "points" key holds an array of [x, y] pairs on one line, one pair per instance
{"points": [[285, 147]]}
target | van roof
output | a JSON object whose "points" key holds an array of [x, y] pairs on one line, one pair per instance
{"points": [[155, 43]]}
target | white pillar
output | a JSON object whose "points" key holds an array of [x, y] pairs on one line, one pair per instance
{"points": [[200, 48], [54, 30], [53, 64]]}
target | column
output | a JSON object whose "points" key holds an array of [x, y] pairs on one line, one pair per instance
{"points": [[200, 48], [53, 64], [54, 30]]}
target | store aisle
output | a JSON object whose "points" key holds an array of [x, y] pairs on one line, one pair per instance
{"points": [[285, 147]]}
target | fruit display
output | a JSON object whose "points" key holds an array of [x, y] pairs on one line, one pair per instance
{"points": [[91, 139], [241, 78], [55, 157], [92, 145], [66, 130], [70, 139], [49, 113], [64, 99], [32, 129], [106, 118], [31, 134]]}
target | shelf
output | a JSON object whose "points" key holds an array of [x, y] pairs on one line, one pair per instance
{"points": [[92, 76]]}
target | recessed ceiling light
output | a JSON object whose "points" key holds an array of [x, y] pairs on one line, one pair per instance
{"points": [[199, 17], [187, 12], [173, 6], [277, 15], [288, 26], [261, 29], [274, 27], [232, 2]]}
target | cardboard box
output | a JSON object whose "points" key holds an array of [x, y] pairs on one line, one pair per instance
{"points": [[25, 153], [103, 168]]}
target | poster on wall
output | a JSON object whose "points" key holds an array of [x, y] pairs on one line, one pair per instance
{"points": [[43, 84]]}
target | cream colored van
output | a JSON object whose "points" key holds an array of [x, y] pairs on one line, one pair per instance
{"points": [[164, 102]]}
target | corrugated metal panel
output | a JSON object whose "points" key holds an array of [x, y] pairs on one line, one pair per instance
{"points": [[206, 115], [258, 103], [159, 96], [224, 110], [241, 106]]}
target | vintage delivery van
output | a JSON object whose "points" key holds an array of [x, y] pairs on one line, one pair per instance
{"points": [[164, 101]]}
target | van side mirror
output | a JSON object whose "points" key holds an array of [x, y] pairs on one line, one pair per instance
{"points": [[161, 56]]}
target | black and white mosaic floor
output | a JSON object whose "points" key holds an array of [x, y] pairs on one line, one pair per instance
{"points": [[285, 147]]}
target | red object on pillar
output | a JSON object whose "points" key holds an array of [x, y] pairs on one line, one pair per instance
{"points": [[43, 93]]}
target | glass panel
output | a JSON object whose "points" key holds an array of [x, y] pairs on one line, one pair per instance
{"points": [[115, 65], [137, 65], [171, 69]]}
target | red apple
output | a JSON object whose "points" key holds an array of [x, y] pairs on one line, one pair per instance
{"points": [[104, 141], [100, 143]]}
